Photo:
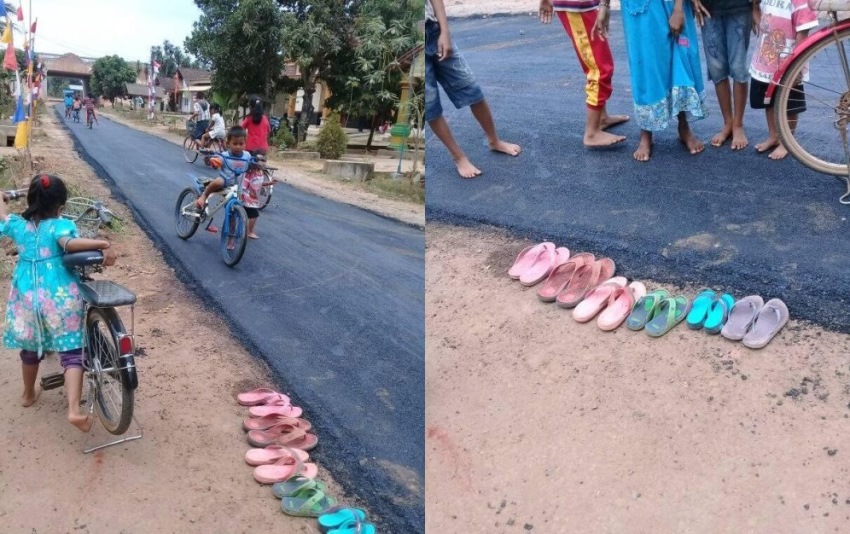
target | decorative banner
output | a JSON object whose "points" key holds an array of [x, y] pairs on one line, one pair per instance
{"points": [[7, 34], [32, 28], [20, 14], [156, 67], [2, 9], [10, 62], [21, 134]]}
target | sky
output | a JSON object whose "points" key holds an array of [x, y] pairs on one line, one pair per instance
{"points": [[95, 28]]}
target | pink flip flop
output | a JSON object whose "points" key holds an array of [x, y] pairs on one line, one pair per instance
{"points": [[545, 264], [260, 396], [584, 279], [272, 420], [286, 434], [285, 410], [284, 469], [560, 276], [527, 257], [272, 454], [620, 305], [597, 298]]}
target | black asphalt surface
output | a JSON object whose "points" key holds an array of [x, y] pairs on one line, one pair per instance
{"points": [[331, 296], [731, 220]]}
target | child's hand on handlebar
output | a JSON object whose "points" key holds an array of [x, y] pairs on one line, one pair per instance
{"points": [[109, 257]]}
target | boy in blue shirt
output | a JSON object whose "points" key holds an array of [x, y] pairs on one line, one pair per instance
{"points": [[234, 162]]}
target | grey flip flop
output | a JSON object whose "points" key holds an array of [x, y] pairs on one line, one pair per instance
{"points": [[741, 317], [771, 318]]}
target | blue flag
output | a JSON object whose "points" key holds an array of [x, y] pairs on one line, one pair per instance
{"points": [[20, 114]]}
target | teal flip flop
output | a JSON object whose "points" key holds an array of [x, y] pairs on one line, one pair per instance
{"points": [[718, 314], [353, 527], [699, 309], [337, 518], [669, 313], [644, 309]]}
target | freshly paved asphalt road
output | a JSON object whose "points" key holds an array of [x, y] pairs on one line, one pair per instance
{"points": [[331, 296], [732, 220]]}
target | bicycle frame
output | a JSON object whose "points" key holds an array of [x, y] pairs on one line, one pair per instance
{"points": [[827, 32]]}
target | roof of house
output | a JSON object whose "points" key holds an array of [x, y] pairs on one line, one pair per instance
{"points": [[166, 83], [195, 76], [68, 63], [137, 89]]}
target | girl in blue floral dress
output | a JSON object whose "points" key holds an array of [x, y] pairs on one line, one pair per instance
{"points": [[664, 65], [45, 310]]}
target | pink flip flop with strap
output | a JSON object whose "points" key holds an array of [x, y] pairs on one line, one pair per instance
{"points": [[585, 278], [272, 454], [284, 469], [283, 409], [560, 276], [596, 299], [526, 258], [260, 396], [620, 305], [545, 264], [270, 421]]}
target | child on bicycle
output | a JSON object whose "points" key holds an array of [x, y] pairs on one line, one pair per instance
{"points": [[216, 129], [88, 103], [45, 312], [78, 104], [233, 162]]}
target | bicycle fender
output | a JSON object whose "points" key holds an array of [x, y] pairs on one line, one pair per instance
{"points": [[823, 33]]}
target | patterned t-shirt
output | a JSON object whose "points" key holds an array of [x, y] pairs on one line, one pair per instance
{"points": [[234, 165], [780, 22]]}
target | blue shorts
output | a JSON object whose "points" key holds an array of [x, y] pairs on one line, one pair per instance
{"points": [[453, 75], [200, 128], [726, 39]]}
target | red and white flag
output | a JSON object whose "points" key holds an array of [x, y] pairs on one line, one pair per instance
{"points": [[20, 14]]}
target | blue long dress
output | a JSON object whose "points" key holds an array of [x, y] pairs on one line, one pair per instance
{"points": [[666, 74]]}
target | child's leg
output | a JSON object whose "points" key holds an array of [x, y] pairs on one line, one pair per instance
{"points": [[724, 99], [253, 214], [780, 151], [441, 129], [211, 188], [687, 137], [738, 30], [482, 114], [772, 140], [644, 149], [29, 370], [72, 364], [594, 55], [739, 138]]}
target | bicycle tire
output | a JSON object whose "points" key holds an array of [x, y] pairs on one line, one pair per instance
{"points": [[103, 328], [191, 224], [782, 98], [189, 149], [238, 219], [266, 192]]}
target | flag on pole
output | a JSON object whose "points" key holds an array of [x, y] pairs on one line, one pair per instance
{"points": [[156, 67], [2, 9], [7, 34], [32, 28], [10, 62], [20, 14]]}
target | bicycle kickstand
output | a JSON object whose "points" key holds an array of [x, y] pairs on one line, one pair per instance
{"points": [[210, 228]]}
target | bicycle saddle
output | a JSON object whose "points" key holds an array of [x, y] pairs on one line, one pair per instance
{"points": [[83, 258]]}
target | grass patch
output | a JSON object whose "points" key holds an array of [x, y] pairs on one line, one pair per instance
{"points": [[396, 189]]}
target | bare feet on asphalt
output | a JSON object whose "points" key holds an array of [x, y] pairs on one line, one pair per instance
{"points": [[602, 139], [739, 138], [691, 142], [253, 236], [81, 421], [767, 144], [779, 153], [505, 148], [466, 169], [612, 120], [29, 400], [644, 149], [722, 136]]}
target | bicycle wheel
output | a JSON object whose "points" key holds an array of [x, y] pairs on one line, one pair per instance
{"points": [[186, 216], [817, 138], [234, 235], [113, 397], [265, 192], [190, 151]]}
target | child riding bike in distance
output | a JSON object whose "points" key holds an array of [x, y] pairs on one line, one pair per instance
{"points": [[45, 311], [78, 104], [216, 130], [88, 103]]}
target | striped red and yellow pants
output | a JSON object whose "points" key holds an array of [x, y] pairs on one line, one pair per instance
{"points": [[593, 53]]}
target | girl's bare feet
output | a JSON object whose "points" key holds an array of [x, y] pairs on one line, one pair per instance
{"points": [[466, 169], [739, 138], [601, 139], [608, 121], [779, 153], [505, 148], [83, 422], [253, 236], [722, 136], [644, 149], [691, 142], [29, 400], [767, 144]]}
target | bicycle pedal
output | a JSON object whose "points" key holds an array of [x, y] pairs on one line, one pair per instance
{"points": [[52, 381]]}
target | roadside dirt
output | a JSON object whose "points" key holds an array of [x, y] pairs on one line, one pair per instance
{"points": [[187, 474], [304, 177], [538, 423]]}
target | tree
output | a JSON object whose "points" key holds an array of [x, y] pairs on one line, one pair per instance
{"points": [[109, 76], [242, 42], [169, 57]]}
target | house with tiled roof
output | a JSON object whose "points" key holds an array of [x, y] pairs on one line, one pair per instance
{"points": [[188, 82]]}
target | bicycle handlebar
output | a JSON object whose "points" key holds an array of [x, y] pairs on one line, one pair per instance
{"points": [[14, 194]]}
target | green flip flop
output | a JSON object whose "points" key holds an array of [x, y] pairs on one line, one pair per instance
{"points": [[644, 309], [307, 503], [668, 314], [292, 486]]}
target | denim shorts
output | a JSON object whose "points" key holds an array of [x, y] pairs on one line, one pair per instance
{"points": [[726, 39], [453, 74]]}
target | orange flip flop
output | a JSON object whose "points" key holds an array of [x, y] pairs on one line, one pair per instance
{"points": [[620, 305], [597, 298], [272, 454], [585, 278], [560, 276]]}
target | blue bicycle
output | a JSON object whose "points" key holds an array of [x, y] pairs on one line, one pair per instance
{"points": [[234, 229]]}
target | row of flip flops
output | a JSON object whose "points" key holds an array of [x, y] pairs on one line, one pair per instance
{"points": [[588, 285]]}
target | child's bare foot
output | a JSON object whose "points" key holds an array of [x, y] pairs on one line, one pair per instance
{"points": [[644, 149], [722, 136], [739, 138], [466, 169], [29, 400], [691, 142], [779, 153], [767, 144], [253, 236], [83, 422], [608, 121], [601, 139], [505, 148]]}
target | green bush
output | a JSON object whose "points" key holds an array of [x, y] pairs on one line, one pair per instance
{"points": [[332, 141], [283, 139]]}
